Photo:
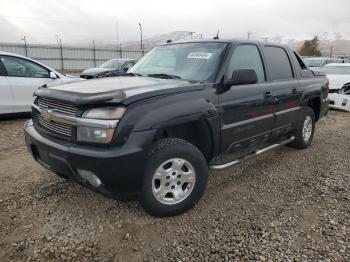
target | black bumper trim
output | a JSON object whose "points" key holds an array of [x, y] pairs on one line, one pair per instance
{"points": [[119, 168]]}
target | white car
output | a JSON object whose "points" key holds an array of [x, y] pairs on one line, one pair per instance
{"points": [[19, 77], [339, 85], [317, 63]]}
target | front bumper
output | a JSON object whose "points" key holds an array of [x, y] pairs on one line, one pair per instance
{"points": [[120, 169], [339, 101]]}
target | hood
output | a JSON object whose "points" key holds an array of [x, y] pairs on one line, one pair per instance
{"points": [[125, 88], [337, 81], [96, 71]]}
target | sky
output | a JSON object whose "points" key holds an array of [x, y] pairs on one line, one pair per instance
{"points": [[82, 21]]}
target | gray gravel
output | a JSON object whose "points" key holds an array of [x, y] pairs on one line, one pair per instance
{"points": [[286, 205]]}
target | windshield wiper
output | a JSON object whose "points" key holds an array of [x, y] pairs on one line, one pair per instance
{"points": [[163, 75], [133, 74]]}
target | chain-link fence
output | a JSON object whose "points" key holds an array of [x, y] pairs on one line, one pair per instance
{"points": [[69, 58]]}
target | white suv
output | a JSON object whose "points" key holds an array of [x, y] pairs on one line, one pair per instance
{"points": [[19, 77]]}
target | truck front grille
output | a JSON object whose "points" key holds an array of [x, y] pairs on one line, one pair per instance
{"points": [[52, 127], [61, 107]]}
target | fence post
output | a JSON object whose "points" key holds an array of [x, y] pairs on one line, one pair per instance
{"points": [[120, 50], [61, 48], [25, 47], [94, 52]]}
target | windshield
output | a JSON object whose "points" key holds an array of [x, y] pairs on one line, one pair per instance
{"points": [[112, 64], [336, 70], [313, 62], [190, 61]]}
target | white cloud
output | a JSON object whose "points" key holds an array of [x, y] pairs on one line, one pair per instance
{"points": [[82, 20]]}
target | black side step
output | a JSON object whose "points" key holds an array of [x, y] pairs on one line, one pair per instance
{"points": [[258, 152]]}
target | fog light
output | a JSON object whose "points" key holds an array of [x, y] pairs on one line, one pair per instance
{"points": [[90, 177]]}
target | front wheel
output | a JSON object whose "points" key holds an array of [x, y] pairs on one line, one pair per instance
{"points": [[305, 129], [175, 179]]}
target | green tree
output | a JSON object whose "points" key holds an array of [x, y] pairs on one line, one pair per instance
{"points": [[310, 48]]}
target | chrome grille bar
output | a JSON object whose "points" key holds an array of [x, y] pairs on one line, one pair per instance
{"points": [[58, 106], [55, 127]]}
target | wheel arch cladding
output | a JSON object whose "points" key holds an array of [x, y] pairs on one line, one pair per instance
{"points": [[315, 105], [198, 133]]}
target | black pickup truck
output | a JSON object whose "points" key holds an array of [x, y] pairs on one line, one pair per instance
{"points": [[154, 133]]}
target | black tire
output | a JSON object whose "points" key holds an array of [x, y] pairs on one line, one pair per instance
{"points": [[62, 176], [162, 151], [299, 141]]}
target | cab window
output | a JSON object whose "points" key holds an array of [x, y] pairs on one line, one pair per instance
{"points": [[278, 63], [247, 57]]}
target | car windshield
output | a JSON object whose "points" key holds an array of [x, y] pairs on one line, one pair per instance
{"points": [[313, 62], [112, 64], [336, 70], [189, 61]]}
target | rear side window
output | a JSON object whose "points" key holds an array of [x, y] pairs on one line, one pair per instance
{"points": [[278, 63], [247, 57]]}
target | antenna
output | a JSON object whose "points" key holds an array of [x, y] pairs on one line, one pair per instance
{"points": [[217, 36]]}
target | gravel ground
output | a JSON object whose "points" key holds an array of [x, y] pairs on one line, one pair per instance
{"points": [[286, 205]]}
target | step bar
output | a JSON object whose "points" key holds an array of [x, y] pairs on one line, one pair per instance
{"points": [[258, 152]]}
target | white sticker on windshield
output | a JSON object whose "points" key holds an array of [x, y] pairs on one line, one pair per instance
{"points": [[199, 55]]}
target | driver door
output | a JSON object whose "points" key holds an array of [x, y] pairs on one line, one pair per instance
{"points": [[246, 117], [24, 77]]}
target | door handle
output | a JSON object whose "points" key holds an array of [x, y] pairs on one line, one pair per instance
{"points": [[268, 94]]}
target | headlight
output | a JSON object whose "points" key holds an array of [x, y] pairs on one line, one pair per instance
{"points": [[102, 124], [105, 113]]}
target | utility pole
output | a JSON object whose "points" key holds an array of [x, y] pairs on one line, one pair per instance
{"points": [[116, 29], [93, 44], [57, 37], [25, 45], [140, 25], [61, 48], [249, 34], [331, 53]]}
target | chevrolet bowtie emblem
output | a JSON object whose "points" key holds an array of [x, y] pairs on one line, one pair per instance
{"points": [[47, 114]]}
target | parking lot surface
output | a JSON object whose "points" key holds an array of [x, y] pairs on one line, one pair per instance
{"points": [[287, 205]]}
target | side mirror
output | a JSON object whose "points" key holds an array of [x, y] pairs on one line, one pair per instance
{"points": [[53, 75], [243, 77]]}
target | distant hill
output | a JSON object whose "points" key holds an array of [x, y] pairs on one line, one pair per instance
{"points": [[340, 46], [153, 41]]}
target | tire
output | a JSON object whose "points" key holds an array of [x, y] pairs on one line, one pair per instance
{"points": [[62, 176], [303, 141], [175, 178]]}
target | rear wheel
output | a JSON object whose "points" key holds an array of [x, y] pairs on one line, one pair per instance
{"points": [[305, 129], [175, 178]]}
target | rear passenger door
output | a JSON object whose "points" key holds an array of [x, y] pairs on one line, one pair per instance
{"points": [[283, 93]]}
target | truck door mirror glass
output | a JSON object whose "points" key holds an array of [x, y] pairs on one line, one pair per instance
{"points": [[243, 77]]}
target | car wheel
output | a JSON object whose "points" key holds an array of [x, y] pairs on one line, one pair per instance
{"points": [[175, 179], [305, 129]]}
